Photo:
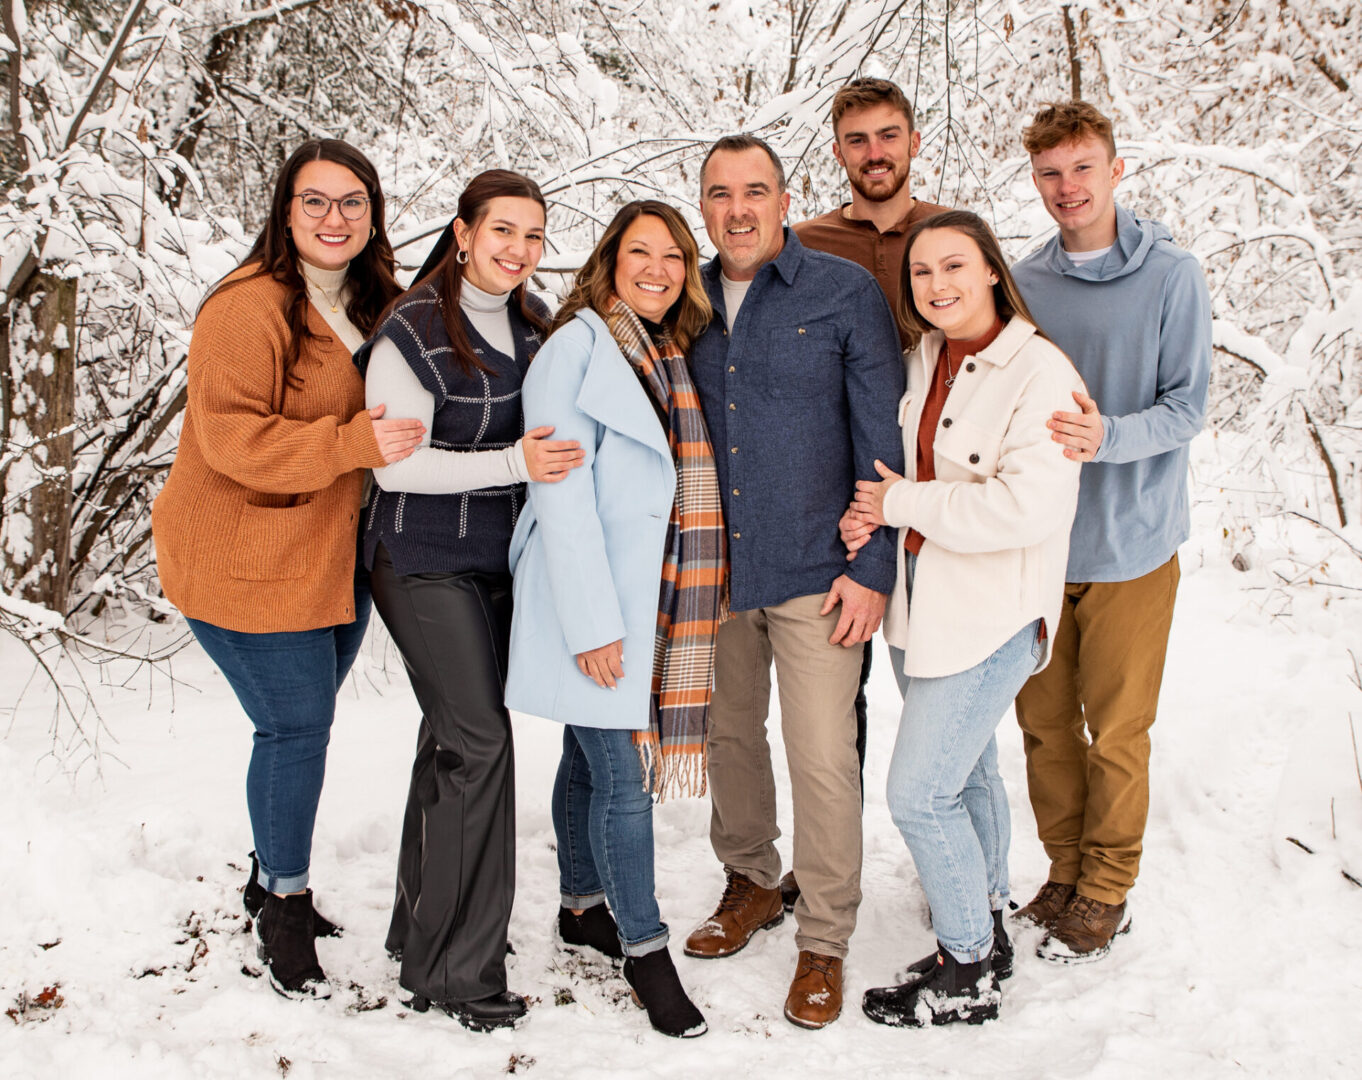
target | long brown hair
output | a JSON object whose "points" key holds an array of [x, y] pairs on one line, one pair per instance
{"points": [[443, 269], [370, 277], [594, 284], [1007, 299]]}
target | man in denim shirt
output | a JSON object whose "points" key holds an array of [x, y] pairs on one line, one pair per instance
{"points": [[800, 377]]}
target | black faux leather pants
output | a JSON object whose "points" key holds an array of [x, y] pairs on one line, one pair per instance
{"points": [[456, 868]]}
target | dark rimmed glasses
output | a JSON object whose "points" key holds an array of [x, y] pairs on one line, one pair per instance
{"points": [[352, 207]]}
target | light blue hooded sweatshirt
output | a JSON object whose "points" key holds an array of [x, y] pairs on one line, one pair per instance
{"points": [[1136, 323]]}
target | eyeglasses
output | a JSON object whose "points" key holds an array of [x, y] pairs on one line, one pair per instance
{"points": [[352, 207]]}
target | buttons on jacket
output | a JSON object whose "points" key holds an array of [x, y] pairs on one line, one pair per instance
{"points": [[731, 369], [801, 330], [736, 491], [969, 366], [733, 450], [946, 422], [737, 535], [732, 407], [974, 459]]}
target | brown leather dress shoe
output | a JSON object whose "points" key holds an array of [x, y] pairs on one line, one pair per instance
{"points": [[744, 909], [1048, 905], [1084, 932], [815, 997]]}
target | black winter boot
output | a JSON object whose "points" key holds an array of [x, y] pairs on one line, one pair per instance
{"points": [[253, 899], [594, 927], [284, 940], [503, 1010], [951, 992], [658, 989], [1001, 956]]}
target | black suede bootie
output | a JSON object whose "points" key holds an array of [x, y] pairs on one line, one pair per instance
{"points": [[658, 989], [594, 927], [253, 899], [284, 940]]}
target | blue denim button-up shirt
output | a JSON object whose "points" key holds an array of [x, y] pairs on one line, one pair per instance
{"points": [[800, 400]]}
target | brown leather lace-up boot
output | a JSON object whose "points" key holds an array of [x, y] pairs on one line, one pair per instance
{"points": [[815, 997], [744, 909], [1048, 905], [1084, 932]]}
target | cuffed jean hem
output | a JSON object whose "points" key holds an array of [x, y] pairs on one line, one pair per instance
{"points": [[973, 956], [581, 903], [997, 901], [656, 943], [282, 884]]}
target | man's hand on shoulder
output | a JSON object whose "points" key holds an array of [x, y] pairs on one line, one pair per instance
{"points": [[1080, 433], [862, 611]]}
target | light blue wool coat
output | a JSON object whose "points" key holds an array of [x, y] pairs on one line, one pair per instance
{"points": [[587, 551], [1136, 323]]}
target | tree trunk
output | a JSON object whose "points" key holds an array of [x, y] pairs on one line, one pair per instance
{"points": [[1075, 65], [35, 516]]}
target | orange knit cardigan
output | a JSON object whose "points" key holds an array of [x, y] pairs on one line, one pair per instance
{"points": [[255, 527]]}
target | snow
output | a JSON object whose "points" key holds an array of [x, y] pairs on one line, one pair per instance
{"points": [[1243, 958]]}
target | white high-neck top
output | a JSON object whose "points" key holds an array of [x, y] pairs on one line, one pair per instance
{"points": [[325, 287]]}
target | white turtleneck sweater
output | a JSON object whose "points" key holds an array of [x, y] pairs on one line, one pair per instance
{"points": [[390, 381], [324, 287]]}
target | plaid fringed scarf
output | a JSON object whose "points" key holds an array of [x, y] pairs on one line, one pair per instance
{"points": [[694, 594]]}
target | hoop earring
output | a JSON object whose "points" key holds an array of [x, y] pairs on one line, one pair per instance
{"points": [[461, 257], [373, 231]]}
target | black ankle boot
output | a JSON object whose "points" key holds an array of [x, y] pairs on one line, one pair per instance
{"points": [[284, 940], [950, 993], [1001, 956], [505, 1009], [658, 989], [594, 927], [253, 899]]}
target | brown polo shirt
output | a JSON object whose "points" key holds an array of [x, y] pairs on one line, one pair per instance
{"points": [[879, 252]]}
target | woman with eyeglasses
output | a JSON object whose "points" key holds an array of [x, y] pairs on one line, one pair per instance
{"points": [[256, 526], [452, 353]]}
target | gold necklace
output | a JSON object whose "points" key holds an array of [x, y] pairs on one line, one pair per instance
{"points": [[334, 301]]}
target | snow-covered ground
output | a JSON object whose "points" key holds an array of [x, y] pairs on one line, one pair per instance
{"points": [[1245, 956]]}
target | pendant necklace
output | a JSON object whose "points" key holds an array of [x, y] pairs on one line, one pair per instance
{"points": [[333, 301]]}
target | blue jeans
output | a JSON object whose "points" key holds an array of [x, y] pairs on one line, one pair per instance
{"points": [[946, 794], [287, 683], [604, 822]]}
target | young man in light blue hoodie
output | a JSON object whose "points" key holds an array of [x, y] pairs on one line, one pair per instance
{"points": [[1132, 312]]}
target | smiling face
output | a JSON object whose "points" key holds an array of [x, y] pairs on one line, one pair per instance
{"points": [[952, 283], [1077, 180], [743, 207], [329, 242], [876, 146], [650, 268], [504, 246]]}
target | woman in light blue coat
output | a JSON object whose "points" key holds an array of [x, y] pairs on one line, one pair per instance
{"points": [[604, 563]]}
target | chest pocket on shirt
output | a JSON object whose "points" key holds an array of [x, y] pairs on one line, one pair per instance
{"points": [[804, 362], [973, 448]]}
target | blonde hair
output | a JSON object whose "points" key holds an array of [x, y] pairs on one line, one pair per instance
{"points": [[595, 281]]}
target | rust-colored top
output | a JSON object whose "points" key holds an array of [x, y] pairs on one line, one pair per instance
{"points": [[255, 527], [950, 362], [860, 241]]}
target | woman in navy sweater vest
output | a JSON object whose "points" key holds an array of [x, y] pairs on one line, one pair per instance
{"points": [[452, 351]]}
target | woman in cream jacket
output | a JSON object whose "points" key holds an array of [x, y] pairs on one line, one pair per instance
{"points": [[983, 518]]}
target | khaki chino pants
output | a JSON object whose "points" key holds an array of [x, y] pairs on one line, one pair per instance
{"points": [[1090, 789], [817, 684]]}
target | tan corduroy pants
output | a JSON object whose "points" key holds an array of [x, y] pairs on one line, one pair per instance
{"points": [[817, 684], [1090, 788]]}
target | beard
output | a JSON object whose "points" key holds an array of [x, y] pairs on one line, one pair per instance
{"points": [[881, 190]]}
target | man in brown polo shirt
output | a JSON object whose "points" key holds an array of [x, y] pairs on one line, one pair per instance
{"points": [[875, 141]]}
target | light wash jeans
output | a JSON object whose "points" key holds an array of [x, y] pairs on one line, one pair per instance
{"points": [[604, 823], [946, 794]]}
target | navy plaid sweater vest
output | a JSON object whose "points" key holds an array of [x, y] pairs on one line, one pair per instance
{"points": [[467, 530]]}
